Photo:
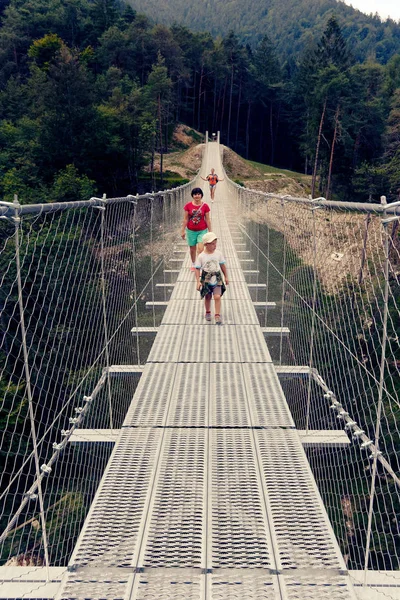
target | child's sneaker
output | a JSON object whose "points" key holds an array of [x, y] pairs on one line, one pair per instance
{"points": [[208, 316], [218, 320]]}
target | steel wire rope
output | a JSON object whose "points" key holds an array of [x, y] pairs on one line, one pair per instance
{"points": [[330, 330], [105, 326], [135, 297], [17, 222], [314, 298], [73, 394], [152, 259], [35, 242], [380, 400], [283, 280]]}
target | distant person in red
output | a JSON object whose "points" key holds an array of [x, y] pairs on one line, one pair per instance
{"points": [[212, 179], [196, 223]]}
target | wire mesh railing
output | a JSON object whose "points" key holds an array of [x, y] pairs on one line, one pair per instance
{"points": [[75, 279], [333, 270]]}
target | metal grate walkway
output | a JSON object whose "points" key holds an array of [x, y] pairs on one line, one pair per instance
{"points": [[208, 493]]}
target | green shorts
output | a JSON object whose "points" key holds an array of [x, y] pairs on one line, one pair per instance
{"points": [[195, 237]]}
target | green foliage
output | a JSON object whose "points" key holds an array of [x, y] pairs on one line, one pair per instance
{"points": [[69, 186], [288, 25], [99, 87], [44, 51]]}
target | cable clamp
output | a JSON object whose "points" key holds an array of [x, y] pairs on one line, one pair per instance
{"points": [[366, 444], [342, 414], [45, 469], [73, 420], [31, 496], [375, 453], [87, 398], [79, 410], [65, 432], [350, 424], [58, 446], [329, 394], [131, 199], [358, 433]]}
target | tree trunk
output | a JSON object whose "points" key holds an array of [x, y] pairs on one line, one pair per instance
{"points": [[230, 107], [271, 134], [335, 132], [214, 119], [194, 100], [238, 114], [314, 176], [199, 102], [161, 140], [261, 140], [223, 105], [248, 128]]}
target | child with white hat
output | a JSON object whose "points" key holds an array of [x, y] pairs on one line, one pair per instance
{"points": [[210, 265]]}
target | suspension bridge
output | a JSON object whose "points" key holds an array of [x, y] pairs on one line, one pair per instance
{"points": [[150, 454]]}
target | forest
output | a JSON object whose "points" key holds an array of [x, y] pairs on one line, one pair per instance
{"points": [[291, 26], [91, 90]]}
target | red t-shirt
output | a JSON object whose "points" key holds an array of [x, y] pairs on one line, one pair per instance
{"points": [[197, 213]]}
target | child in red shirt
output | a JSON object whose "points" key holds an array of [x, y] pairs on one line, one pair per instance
{"points": [[196, 223]]}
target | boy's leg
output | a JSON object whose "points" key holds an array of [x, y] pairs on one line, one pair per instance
{"points": [[217, 304], [207, 302]]}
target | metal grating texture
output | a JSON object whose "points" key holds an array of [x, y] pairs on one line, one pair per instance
{"points": [[242, 313], [240, 532], [265, 396], [228, 396], [174, 537], [251, 341], [169, 584], [110, 534], [190, 403], [97, 584], [223, 345], [150, 404], [303, 534], [240, 584], [186, 290], [176, 312], [168, 346], [317, 586]]}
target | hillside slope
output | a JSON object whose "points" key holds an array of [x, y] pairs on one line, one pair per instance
{"points": [[290, 25], [253, 175]]}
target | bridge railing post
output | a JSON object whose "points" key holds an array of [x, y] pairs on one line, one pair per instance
{"points": [[386, 236], [40, 471], [312, 335], [283, 280]]}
